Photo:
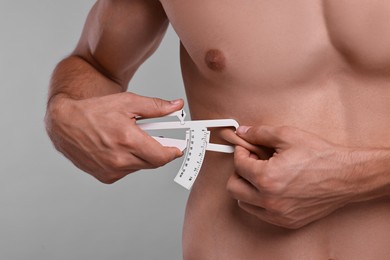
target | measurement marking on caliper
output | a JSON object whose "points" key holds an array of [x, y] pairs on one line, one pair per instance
{"points": [[196, 143]]}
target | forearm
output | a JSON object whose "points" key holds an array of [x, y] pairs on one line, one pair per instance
{"points": [[370, 170], [77, 79]]}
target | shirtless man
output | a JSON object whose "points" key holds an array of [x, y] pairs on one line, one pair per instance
{"points": [[311, 77]]}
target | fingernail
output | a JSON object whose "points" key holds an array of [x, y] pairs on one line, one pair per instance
{"points": [[242, 129], [175, 102]]}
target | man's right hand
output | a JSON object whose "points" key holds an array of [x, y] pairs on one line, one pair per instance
{"points": [[100, 136]]}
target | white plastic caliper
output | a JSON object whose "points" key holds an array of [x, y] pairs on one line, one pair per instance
{"points": [[196, 143]]}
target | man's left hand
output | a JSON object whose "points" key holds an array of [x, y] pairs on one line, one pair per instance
{"points": [[304, 180]]}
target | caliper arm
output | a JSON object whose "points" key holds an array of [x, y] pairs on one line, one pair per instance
{"points": [[195, 144]]}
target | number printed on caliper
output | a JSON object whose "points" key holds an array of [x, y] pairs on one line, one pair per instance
{"points": [[195, 144]]}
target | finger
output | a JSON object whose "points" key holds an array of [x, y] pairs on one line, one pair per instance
{"points": [[262, 135], [150, 107], [108, 171], [247, 167], [259, 212], [230, 136], [131, 164], [135, 163], [277, 220], [148, 149], [242, 190]]}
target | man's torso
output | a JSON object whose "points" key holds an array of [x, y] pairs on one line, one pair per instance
{"points": [[321, 66]]}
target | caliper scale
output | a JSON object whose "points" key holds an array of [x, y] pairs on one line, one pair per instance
{"points": [[196, 143]]}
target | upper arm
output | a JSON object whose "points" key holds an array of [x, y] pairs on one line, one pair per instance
{"points": [[121, 34]]}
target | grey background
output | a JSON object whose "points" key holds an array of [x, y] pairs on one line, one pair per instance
{"points": [[48, 208]]}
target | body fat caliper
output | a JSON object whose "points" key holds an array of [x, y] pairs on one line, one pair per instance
{"points": [[196, 143]]}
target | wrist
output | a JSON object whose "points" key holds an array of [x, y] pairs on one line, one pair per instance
{"points": [[59, 108], [369, 173]]}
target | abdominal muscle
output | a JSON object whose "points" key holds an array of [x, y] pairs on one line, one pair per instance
{"points": [[216, 228]]}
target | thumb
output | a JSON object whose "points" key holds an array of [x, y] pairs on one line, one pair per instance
{"points": [[148, 107]]}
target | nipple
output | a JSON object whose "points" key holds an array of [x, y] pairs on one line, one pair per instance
{"points": [[215, 60]]}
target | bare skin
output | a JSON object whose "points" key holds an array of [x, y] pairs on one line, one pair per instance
{"points": [[312, 78]]}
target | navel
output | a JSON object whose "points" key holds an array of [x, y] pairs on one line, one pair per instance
{"points": [[215, 60]]}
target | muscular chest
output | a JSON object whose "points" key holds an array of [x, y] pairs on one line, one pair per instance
{"points": [[286, 40], [360, 30]]}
